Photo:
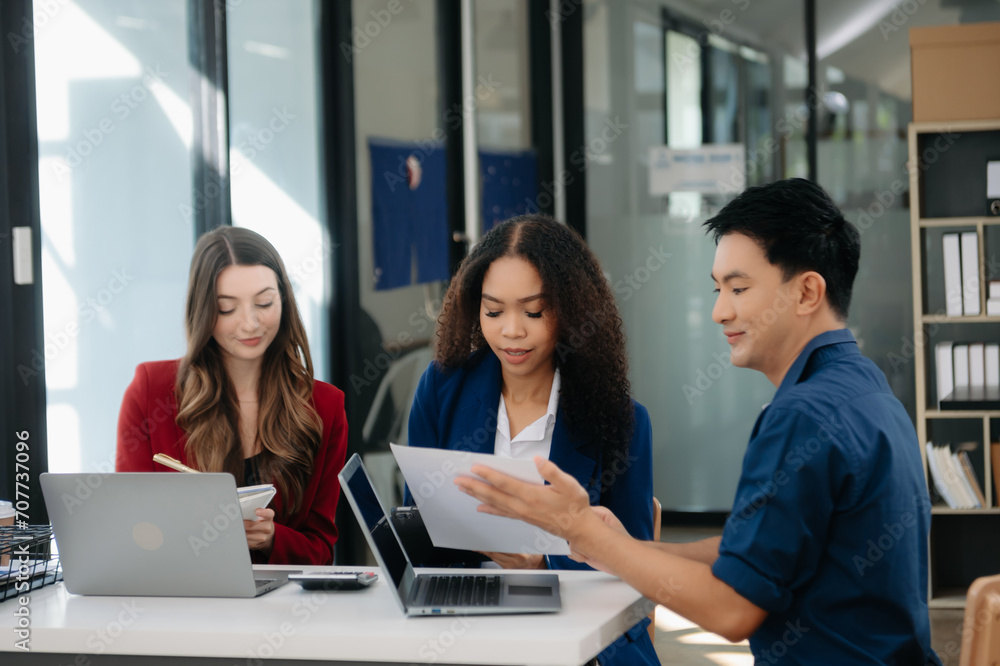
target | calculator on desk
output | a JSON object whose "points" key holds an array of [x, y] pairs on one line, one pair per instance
{"points": [[334, 580]]}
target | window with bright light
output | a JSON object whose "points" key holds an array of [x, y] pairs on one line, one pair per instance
{"points": [[114, 139]]}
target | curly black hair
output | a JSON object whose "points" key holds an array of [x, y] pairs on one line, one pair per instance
{"points": [[590, 349]]}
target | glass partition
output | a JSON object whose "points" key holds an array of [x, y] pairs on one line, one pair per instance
{"points": [[657, 256], [274, 143], [503, 120], [396, 97], [114, 138]]}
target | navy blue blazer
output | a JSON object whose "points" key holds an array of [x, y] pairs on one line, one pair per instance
{"points": [[457, 409]]}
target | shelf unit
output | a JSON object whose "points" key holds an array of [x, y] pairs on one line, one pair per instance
{"points": [[946, 594]]}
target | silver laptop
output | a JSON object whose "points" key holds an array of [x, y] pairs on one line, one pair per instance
{"points": [[153, 534], [473, 592]]}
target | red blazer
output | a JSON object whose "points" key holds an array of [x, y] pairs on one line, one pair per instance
{"points": [[147, 425]]}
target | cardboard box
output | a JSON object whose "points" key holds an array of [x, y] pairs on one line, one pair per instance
{"points": [[955, 69]]}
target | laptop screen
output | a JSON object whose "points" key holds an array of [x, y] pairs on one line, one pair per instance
{"points": [[376, 522]]}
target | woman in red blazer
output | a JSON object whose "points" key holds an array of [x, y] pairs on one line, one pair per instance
{"points": [[243, 400]]}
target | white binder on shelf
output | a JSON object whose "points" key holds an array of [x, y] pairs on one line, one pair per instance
{"points": [[977, 365], [961, 368], [952, 275], [944, 365], [970, 273], [991, 361]]}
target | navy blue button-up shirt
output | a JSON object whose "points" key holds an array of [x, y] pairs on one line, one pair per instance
{"points": [[829, 528]]}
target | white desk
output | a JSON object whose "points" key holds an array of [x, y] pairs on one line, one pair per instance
{"points": [[364, 626]]}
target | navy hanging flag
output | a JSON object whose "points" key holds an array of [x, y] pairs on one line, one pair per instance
{"points": [[409, 212], [510, 184]]}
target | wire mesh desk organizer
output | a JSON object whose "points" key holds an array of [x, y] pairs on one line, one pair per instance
{"points": [[26, 560]]}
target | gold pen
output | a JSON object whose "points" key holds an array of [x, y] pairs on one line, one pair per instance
{"points": [[164, 459]]}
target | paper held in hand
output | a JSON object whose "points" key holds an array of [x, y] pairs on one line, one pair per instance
{"points": [[450, 515], [251, 497]]}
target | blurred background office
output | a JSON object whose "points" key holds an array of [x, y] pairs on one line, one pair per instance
{"points": [[373, 140]]}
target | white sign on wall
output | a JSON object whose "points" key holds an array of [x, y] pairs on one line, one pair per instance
{"points": [[712, 169]]}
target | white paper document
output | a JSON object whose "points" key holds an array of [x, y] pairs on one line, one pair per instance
{"points": [[450, 515]]}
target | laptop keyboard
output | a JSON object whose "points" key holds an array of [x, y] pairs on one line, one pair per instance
{"points": [[461, 591], [263, 582]]}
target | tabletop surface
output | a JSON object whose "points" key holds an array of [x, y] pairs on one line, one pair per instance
{"points": [[356, 625]]}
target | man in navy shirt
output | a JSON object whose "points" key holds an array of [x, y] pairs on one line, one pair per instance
{"points": [[824, 557]]}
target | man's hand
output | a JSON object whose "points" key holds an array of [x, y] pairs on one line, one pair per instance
{"points": [[608, 518], [561, 508], [611, 521], [595, 536], [517, 560]]}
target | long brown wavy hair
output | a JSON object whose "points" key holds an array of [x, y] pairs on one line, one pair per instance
{"points": [[288, 428], [590, 350]]}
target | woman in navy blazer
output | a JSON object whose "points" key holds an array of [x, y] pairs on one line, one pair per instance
{"points": [[547, 375]]}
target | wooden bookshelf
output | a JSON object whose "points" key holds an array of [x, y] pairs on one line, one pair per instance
{"points": [[971, 526]]}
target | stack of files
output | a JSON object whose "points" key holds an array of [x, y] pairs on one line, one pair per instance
{"points": [[968, 375], [961, 273], [954, 477], [993, 298]]}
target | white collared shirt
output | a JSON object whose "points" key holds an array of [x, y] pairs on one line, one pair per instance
{"points": [[534, 440]]}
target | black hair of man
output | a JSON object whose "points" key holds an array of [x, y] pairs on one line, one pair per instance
{"points": [[800, 229]]}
